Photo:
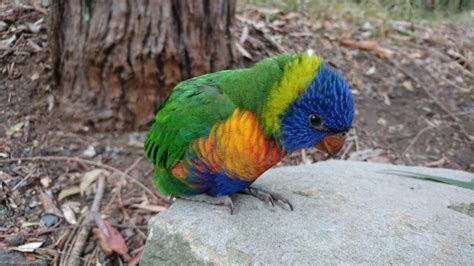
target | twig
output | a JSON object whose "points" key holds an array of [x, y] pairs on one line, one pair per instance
{"points": [[22, 181], [269, 38], [433, 97], [65, 257], [130, 168], [347, 149], [80, 160], [437, 163], [304, 158], [41, 232], [83, 234], [417, 136], [453, 62], [371, 46], [133, 252], [356, 140], [126, 226], [128, 216], [72, 226], [117, 189]]}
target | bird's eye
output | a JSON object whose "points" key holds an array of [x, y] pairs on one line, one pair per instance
{"points": [[315, 120]]}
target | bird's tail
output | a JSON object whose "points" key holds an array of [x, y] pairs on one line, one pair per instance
{"points": [[168, 184]]}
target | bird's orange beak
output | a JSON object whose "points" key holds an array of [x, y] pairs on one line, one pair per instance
{"points": [[331, 145]]}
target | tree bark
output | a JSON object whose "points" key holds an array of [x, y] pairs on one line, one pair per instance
{"points": [[114, 62]]}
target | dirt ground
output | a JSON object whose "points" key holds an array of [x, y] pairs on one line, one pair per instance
{"points": [[413, 84]]}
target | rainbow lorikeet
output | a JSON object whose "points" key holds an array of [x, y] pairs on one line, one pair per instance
{"points": [[217, 133]]}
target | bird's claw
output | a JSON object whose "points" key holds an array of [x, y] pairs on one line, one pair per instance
{"points": [[268, 196]]}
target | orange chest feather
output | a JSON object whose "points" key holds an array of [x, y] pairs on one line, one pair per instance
{"points": [[238, 147]]}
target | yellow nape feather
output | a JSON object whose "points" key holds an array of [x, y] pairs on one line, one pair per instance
{"points": [[297, 75]]}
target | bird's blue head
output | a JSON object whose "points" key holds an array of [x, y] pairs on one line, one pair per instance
{"points": [[321, 116]]}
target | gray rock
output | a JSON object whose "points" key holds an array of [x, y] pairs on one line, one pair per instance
{"points": [[367, 26], [3, 26], [90, 152], [345, 212]]}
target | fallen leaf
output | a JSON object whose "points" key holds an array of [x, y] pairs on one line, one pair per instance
{"points": [[135, 259], [381, 121], [245, 34], [29, 247], [368, 45], [36, 26], [34, 76], [407, 85], [14, 128], [90, 152], [326, 43], [386, 99], [69, 191], [438, 163], [415, 55], [30, 224], [243, 51], [370, 71], [90, 177], [50, 101], [45, 181], [6, 44], [47, 252], [69, 214], [48, 204], [114, 242], [152, 208]]}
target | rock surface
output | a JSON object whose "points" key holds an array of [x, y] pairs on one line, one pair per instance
{"points": [[345, 212]]}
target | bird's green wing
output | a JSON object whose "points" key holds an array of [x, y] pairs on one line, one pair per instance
{"points": [[189, 113], [195, 105]]}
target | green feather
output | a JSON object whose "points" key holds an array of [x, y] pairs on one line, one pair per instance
{"points": [[195, 105]]}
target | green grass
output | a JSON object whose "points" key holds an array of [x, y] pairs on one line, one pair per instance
{"points": [[439, 179]]}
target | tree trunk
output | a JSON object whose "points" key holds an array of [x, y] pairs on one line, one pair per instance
{"points": [[114, 62]]}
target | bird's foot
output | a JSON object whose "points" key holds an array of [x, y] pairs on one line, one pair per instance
{"points": [[219, 201], [267, 196]]}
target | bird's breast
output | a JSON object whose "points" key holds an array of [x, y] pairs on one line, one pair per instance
{"points": [[238, 147]]}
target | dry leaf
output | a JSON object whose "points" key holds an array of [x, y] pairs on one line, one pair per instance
{"points": [[407, 85], [90, 177], [48, 204], [6, 44], [243, 51], [136, 260], [245, 34], [69, 214], [35, 76], [113, 243], [152, 208], [326, 43], [50, 101], [368, 45], [69, 191], [45, 181], [14, 128], [371, 71], [47, 252], [29, 247]]}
